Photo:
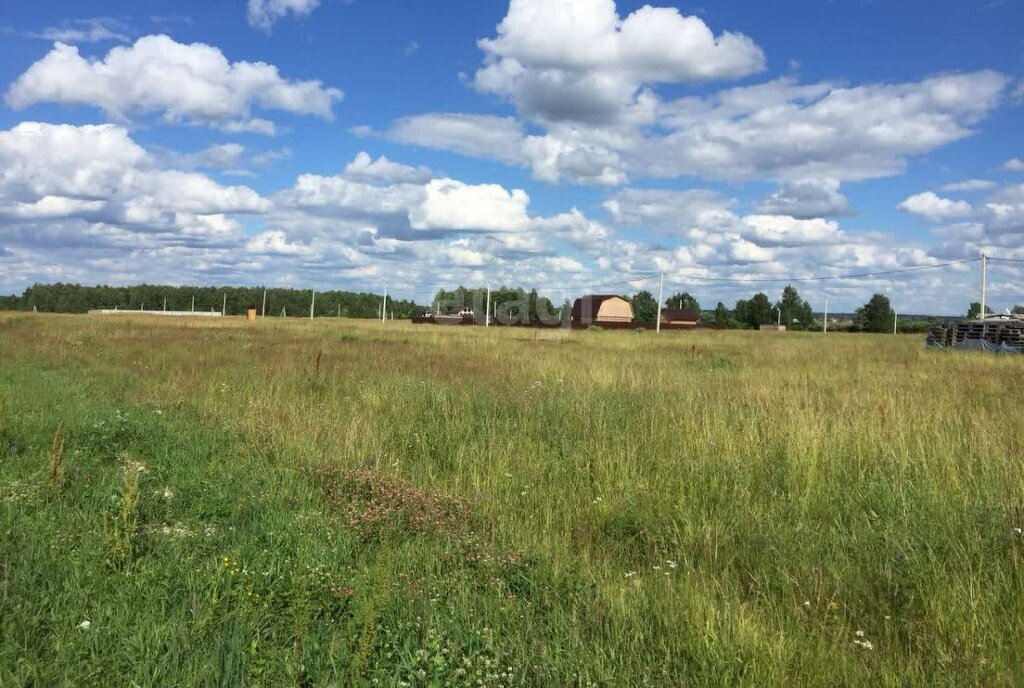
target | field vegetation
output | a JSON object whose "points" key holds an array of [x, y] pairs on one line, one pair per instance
{"points": [[345, 502]]}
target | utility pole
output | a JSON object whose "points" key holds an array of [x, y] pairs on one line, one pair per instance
{"points": [[661, 294], [339, 310], [264, 312], [895, 320], [779, 320], [487, 311], [165, 304], [224, 305], [312, 304], [984, 284], [826, 315], [384, 306], [193, 303]]}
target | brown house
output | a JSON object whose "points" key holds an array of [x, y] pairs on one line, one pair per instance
{"points": [[677, 316], [602, 308]]}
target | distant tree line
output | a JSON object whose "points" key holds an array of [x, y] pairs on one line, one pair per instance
{"points": [[791, 310], [76, 298], [508, 304]]}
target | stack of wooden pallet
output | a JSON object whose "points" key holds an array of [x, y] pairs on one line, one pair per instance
{"points": [[1000, 333], [938, 336]]}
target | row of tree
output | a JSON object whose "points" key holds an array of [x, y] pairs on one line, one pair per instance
{"points": [[512, 304], [508, 304], [76, 298], [791, 310]]}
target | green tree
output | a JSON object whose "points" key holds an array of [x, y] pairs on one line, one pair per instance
{"points": [[794, 309], [876, 315], [755, 312], [721, 315], [645, 308], [975, 309], [685, 301]]}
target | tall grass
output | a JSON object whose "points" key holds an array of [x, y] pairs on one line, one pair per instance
{"points": [[343, 502]]}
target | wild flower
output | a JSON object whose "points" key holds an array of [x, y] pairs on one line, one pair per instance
{"points": [[862, 642], [85, 625], [18, 491]]}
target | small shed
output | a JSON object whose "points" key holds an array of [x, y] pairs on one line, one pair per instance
{"points": [[678, 316], [602, 308]]}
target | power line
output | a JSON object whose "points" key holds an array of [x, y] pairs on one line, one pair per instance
{"points": [[606, 285], [821, 278]]}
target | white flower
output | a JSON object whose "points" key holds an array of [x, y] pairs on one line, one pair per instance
{"points": [[167, 493], [85, 625], [859, 634]]}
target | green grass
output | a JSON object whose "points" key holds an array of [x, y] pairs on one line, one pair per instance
{"points": [[349, 503]]}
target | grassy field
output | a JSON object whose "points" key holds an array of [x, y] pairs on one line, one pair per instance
{"points": [[347, 503]]}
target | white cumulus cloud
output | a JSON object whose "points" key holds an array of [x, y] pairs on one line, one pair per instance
{"points": [[364, 168], [182, 83], [935, 207], [783, 230], [806, 198], [577, 60], [453, 205], [98, 176]]}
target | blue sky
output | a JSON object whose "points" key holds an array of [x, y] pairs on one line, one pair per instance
{"points": [[567, 145]]}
